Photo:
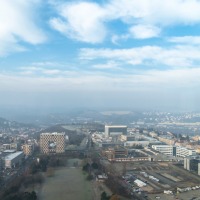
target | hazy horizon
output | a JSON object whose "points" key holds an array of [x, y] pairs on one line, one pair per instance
{"points": [[63, 55]]}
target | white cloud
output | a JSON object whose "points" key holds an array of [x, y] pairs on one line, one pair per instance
{"points": [[144, 32], [154, 56], [189, 40], [165, 12], [74, 80], [17, 24], [82, 21], [88, 21], [108, 65], [31, 70]]}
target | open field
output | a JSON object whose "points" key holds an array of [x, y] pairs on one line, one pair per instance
{"points": [[67, 183]]}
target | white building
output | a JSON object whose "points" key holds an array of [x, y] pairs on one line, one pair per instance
{"points": [[174, 150], [14, 159], [115, 130]]}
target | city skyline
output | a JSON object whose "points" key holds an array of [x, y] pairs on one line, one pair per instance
{"points": [[100, 54]]}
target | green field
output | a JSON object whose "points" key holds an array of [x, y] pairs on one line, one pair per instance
{"points": [[68, 183]]}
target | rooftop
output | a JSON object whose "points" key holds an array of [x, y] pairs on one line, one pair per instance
{"points": [[9, 151], [13, 155], [55, 133], [116, 126]]}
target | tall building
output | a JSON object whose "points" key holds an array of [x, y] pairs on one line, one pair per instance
{"points": [[52, 143], [115, 130]]}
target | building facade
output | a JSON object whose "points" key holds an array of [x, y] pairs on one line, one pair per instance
{"points": [[192, 163], [116, 152], [13, 160], [174, 150], [52, 143], [28, 149], [115, 130]]}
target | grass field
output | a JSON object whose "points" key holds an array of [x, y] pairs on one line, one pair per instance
{"points": [[68, 183]]}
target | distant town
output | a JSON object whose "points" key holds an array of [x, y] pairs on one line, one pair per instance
{"points": [[118, 154]]}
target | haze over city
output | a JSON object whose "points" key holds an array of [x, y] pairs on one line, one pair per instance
{"points": [[57, 55], [99, 99]]}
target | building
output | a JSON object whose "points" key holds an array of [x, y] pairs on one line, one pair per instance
{"points": [[28, 149], [52, 143], [10, 146], [1, 161], [137, 139], [174, 150], [192, 163], [115, 130], [167, 139], [13, 160], [116, 152]]}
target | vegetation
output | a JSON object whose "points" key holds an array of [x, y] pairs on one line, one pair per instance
{"points": [[22, 196], [104, 196], [45, 162], [13, 191]]}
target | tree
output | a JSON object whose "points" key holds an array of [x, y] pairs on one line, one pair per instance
{"points": [[95, 165], [89, 177], [104, 196], [86, 167]]}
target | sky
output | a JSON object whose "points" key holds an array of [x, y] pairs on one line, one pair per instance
{"points": [[60, 54]]}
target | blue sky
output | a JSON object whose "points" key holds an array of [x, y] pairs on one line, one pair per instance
{"points": [[108, 53]]}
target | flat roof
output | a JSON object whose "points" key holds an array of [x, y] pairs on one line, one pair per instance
{"points": [[116, 126], [9, 151], [13, 155], [55, 133]]}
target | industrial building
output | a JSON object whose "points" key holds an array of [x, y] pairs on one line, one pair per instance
{"points": [[115, 130], [174, 150], [13, 160], [52, 143]]}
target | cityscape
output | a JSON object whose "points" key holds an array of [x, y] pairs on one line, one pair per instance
{"points": [[99, 99], [143, 158]]}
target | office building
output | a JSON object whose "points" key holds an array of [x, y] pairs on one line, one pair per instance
{"points": [[115, 130], [192, 163], [52, 143], [174, 150]]}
